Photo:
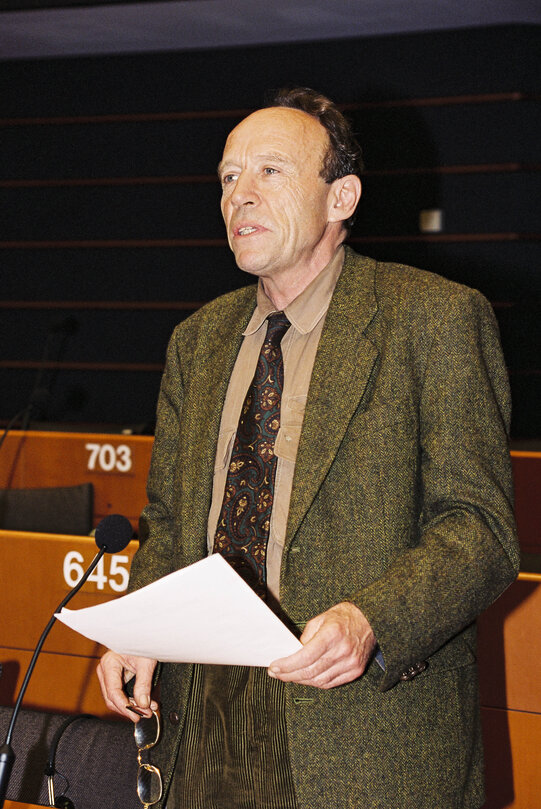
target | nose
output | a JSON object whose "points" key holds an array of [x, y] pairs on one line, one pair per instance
{"points": [[245, 191]]}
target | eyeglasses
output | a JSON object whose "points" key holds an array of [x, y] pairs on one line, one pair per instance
{"points": [[146, 733]]}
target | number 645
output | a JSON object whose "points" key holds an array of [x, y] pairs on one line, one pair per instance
{"points": [[117, 579]]}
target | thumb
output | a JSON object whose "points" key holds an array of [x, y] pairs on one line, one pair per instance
{"points": [[311, 629]]}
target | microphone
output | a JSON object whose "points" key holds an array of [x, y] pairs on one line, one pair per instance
{"points": [[41, 395], [113, 534], [37, 403], [58, 332]]}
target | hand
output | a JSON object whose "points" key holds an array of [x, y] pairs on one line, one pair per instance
{"points": [[337, 646], [114, 670]]}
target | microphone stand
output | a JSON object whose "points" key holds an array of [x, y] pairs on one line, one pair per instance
{"points": [[40, 393], [21, 414], [7, 755]]}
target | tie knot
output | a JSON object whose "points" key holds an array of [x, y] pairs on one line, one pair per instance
{"points": [[278, 324]]}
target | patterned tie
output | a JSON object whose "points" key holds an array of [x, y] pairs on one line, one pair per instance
{"points": [[243, 525]]}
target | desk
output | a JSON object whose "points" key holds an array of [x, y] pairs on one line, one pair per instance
{"points": [[42, 568], [65, 681], [116, 465], [510, 677], [527, 477]]}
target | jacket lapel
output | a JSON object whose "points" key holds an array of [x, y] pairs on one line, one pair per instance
{"points": [[205, 397], [344, 362]]}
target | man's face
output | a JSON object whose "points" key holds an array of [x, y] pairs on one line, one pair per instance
{"points": [[274, 201]]}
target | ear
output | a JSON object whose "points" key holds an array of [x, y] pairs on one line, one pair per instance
{"points": [[344, 197]]}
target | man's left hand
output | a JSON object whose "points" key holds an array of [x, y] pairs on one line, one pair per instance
{"points": [[337, 647]]}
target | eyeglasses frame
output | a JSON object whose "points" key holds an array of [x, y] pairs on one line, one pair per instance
{"points": [[149, 767]]}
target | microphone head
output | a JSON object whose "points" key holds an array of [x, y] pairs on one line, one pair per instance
{"points": [[113, 533]]}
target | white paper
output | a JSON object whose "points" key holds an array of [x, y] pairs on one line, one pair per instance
{"points": [[204, 613]]}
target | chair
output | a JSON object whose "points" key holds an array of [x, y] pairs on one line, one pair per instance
{"points": [[59, 510], [95, 760]]}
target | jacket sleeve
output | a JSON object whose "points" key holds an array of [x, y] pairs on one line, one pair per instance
{"points": [[154, 557], [467, 552]]}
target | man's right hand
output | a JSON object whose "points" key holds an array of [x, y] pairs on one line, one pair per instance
{"points": [[114, 670]]}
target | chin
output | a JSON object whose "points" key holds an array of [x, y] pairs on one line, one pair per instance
{"points": [[253, 264]]}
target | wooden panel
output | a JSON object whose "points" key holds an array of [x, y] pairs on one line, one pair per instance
{"points": [[41, 569], [60, 683], [512, 745], [116, 465], [527, 475], [17, 805], [35, 459], [510, 648]]}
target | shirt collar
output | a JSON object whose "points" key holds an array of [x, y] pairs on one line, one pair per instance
{"points": [[307, 309]]}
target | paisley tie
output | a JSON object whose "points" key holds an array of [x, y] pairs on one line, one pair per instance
{"points": [[243, 525]]}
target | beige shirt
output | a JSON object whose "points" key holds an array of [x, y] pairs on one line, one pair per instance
{"points": [[299, 345]]}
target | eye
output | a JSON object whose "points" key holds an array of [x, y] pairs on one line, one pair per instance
{"points": [[227, 179], [269, 170]]}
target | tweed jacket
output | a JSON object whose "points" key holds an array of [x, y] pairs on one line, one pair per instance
{"points": [[401, 504]]}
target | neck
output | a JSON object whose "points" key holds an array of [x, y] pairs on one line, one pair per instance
{"points": [[283, 288]]}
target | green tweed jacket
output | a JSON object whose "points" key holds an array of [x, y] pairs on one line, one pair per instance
{"points": [[401, 503]]}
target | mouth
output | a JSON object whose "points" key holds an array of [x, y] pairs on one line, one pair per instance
{"points": [[247, 230]]}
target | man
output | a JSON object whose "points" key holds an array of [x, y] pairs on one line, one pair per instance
{"points": [[389, 522]]}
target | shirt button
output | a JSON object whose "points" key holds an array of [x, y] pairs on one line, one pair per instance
{"points": [[174, 718]]}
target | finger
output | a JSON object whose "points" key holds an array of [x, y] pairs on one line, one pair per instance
{"points": [[110, 675], [319, 637], [139, 712], [300, 660], [309, 662], [336, 648], [113, 670], [324, 660], [304, 668], [326, 673]]}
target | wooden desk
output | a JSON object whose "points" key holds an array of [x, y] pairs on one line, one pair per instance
{"points": [[510, 680], [65, 681], [527, 477], [38, 571], [116, 465]]}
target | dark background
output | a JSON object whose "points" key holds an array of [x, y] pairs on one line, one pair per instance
{"points": [[110, 230]]}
